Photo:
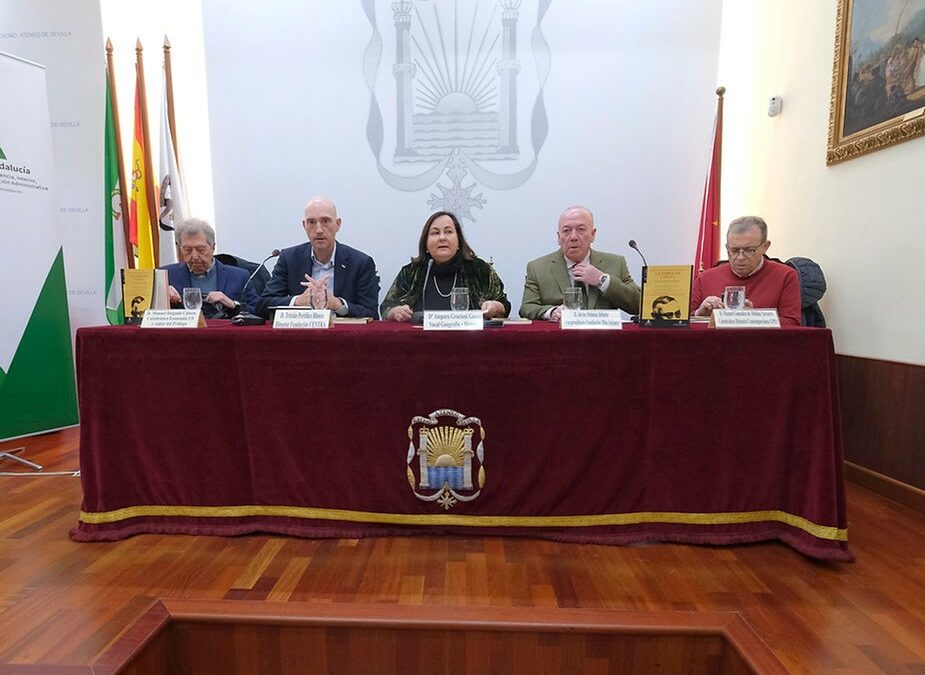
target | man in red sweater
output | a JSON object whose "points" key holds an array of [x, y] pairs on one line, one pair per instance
{"points": [[768, 284]]}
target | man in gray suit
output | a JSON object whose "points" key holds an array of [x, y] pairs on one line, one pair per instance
{"points": [[603, 277]]}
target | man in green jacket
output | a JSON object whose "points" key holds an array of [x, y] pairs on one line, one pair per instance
{"points": [[603, 277]]}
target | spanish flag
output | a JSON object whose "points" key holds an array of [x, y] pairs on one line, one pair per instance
{"points": [[140, 216]]}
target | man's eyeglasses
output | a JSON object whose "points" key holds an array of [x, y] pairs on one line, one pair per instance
{"points": [[747, 251]]}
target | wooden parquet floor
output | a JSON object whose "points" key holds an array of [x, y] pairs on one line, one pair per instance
{"points": [[63, 602]]}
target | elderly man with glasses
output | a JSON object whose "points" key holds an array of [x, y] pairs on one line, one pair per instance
{"points": [[221, 285], [768, 284]]}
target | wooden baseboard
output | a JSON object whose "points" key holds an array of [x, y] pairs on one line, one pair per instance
{"points": [[905, 494]]}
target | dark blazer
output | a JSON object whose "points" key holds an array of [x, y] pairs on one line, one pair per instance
{"points": [[355, 280], [229, 280]]}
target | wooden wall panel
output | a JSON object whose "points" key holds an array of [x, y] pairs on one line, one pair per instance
{"points": [[288, 638], [882, 405]]}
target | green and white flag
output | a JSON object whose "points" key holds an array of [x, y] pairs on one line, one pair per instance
{"points": [[37, 388], [114, 236]]}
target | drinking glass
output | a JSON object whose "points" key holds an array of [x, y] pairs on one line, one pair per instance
{"points": [[319, 297], [572, 298], [192, 298], [734, 297], [459, 299]]}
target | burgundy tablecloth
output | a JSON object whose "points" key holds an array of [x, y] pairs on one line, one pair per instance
{"points": [[696, 435]]}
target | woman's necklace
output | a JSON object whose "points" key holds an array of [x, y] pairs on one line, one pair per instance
{"points": [[441, 293]]}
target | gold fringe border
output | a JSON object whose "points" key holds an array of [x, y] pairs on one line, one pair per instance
{"points": [[311, 513]]}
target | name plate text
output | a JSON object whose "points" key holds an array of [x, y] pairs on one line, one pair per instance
{"points": [[591, 318], [445, 320], [173, 318], [745, 318], [302, 318]]}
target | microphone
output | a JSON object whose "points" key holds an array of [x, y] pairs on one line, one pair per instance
{"points": [[430, 263], [245, 318], [632, 243]]}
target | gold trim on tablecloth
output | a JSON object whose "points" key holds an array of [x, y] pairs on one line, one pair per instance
{"points": [[591, 520]]}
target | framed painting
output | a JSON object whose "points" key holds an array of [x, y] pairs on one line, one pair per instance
{"points": [[878, 80]]}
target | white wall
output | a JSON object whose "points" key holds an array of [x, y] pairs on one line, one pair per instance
{"points": [[124, 22], [862, 219], [629, 102]]}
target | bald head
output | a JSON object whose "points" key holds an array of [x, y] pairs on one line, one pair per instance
{"points": [[321, 225], [319, 200], [583, 210]]}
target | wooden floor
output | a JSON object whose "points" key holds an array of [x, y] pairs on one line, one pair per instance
{"points": [[63, 603]]}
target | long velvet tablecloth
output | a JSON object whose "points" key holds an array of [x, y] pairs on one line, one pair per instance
{"points": [[697, 435]]}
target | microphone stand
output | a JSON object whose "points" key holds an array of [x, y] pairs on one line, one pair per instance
{"points": [[245, 318], [645, 265], [430, 263]]}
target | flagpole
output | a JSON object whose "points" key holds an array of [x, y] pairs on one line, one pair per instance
{"points": [[123, 194], [708, 238], [169, 94], [720, 92], [149, 171]]}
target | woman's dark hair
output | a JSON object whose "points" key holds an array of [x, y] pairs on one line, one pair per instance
{"points": [[467, 252]]}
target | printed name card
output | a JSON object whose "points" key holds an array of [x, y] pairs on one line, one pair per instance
{"points": [[469, 320], [591, 318], [302, 318], [173, 318], [745, 318]]}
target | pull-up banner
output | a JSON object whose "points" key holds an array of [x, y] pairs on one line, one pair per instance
{"points": [[37, 388]]}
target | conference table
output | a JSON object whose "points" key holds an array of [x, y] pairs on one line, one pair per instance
{"points": [[692, 435]]}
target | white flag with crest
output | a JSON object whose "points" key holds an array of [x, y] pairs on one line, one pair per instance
{"points": [[173, 207]]}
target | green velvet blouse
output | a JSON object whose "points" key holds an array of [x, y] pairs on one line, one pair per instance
{"points": [[477, 275]]}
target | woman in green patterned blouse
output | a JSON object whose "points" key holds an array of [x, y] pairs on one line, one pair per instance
{"points": [[444, 261]]}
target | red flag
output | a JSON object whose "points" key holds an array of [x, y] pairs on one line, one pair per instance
{"points": [[708, 239]]}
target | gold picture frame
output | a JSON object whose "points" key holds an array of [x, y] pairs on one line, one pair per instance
{"points": [[878, 80]]}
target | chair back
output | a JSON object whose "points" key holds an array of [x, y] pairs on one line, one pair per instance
{"points": [[262, 278], [812, 288]]}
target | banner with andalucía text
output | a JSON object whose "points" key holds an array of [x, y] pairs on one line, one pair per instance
{"points": [[37, 388], [66, 36]]}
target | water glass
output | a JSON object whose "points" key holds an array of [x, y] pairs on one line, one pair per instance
{"points": [[734, 297], [192, 298], [459, 299], [572, 298]]}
